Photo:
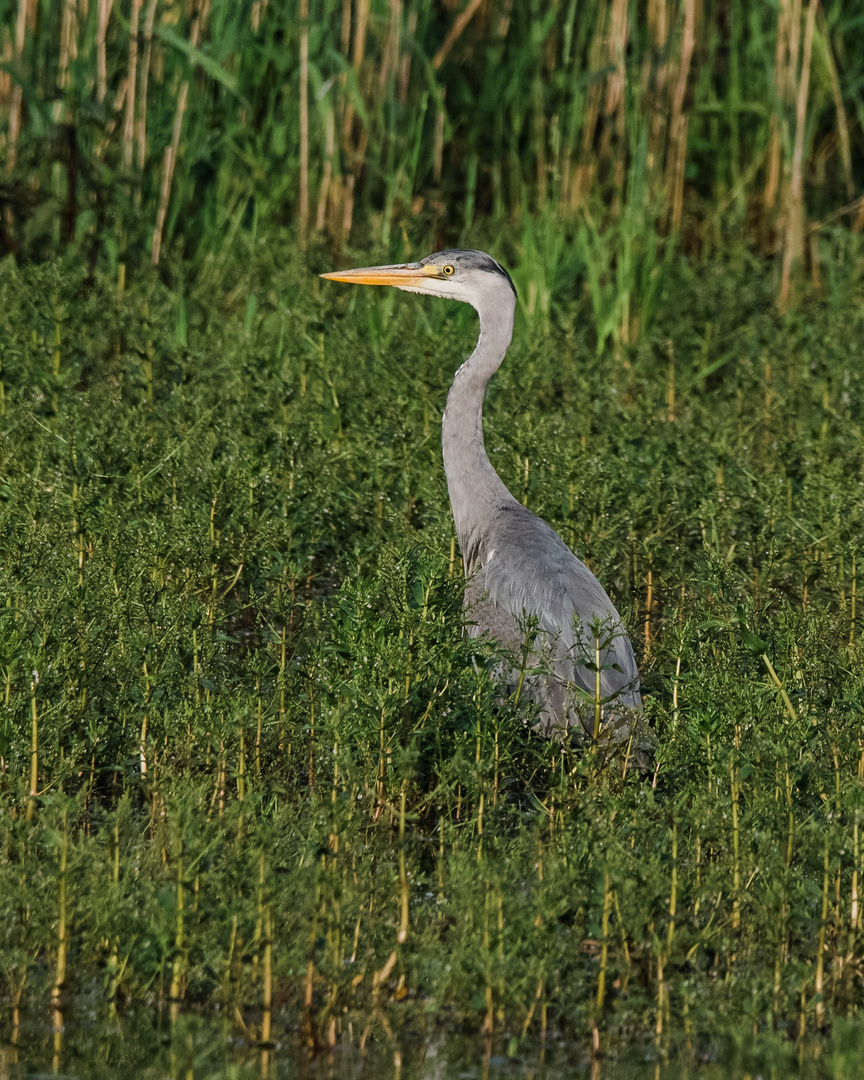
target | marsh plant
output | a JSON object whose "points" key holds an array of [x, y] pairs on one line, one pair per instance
{"points": [[249, 761], [150, 127]]}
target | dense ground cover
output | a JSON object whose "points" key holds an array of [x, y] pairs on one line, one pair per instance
{"points": [[248, 761]]}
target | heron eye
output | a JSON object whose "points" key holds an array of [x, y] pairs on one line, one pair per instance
{"points": [[448, 270]]}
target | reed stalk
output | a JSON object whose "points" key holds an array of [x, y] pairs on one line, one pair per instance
{"points": [[34, 750], [103, 14], [488, 999], [327, 174], [775, 678], [404, 892], [143, 739], [59, 982], [600, 998], [819, 977], [198, 17], [241, 766], [178, 965], [455, 32], [303, 211], [141, 125], [736, 863], [267, 968], [21, 22], [649, 603], [68, 52], [131, 86], [793, 248], [824, 40], [583, 142], [679, 123]]}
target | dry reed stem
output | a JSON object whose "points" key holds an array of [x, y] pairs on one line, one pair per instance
{"points": [[390, 55], [455, 32], [438, 143], [171, 152], [141, 128], [354, 152], [68, 51], [654, 82], [258, 9], [331, 188], [8, 56], [677, 157], [405, 59], [346, 29], [26, 17], [855, 207], [62, 935], [665, 82], [842, 123], [607, 50], [103, 15], [304, 121], [772, 173], [619, 32], [131, 83], [329, 153], [360, 32], [404, 891], [618, 38], [794, 245], [793, 14]]}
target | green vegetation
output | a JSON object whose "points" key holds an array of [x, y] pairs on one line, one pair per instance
{"points": [[248, 763], [248, 760], [145, 126], [146, 1049]]}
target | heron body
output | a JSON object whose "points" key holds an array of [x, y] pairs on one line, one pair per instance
{"points": [[525, 587]]}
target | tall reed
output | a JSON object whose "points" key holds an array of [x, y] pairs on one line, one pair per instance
{"points": [[393, 124]]}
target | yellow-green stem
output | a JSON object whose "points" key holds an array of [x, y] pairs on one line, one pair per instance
{"points": [[60, 971], [34, 754]]}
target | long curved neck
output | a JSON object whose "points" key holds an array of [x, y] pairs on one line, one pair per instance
{"points": [[476, 490]]}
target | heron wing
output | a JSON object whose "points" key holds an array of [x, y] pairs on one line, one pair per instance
{"points": [[527, 570]]}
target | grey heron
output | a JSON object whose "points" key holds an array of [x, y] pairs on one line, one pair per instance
{"points": [[525, 588]]}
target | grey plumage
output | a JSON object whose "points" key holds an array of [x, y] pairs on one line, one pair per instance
{"points": [[522, 578]]}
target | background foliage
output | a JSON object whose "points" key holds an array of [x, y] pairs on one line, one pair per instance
{"points": [[629, 129]]}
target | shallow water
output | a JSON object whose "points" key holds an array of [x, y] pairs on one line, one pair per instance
{"points": [[148, 1047]]}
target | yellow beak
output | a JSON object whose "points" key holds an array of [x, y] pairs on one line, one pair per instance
{"points": [[400, 274]]}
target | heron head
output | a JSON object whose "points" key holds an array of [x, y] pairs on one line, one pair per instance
{"points": [[458, 275]]}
